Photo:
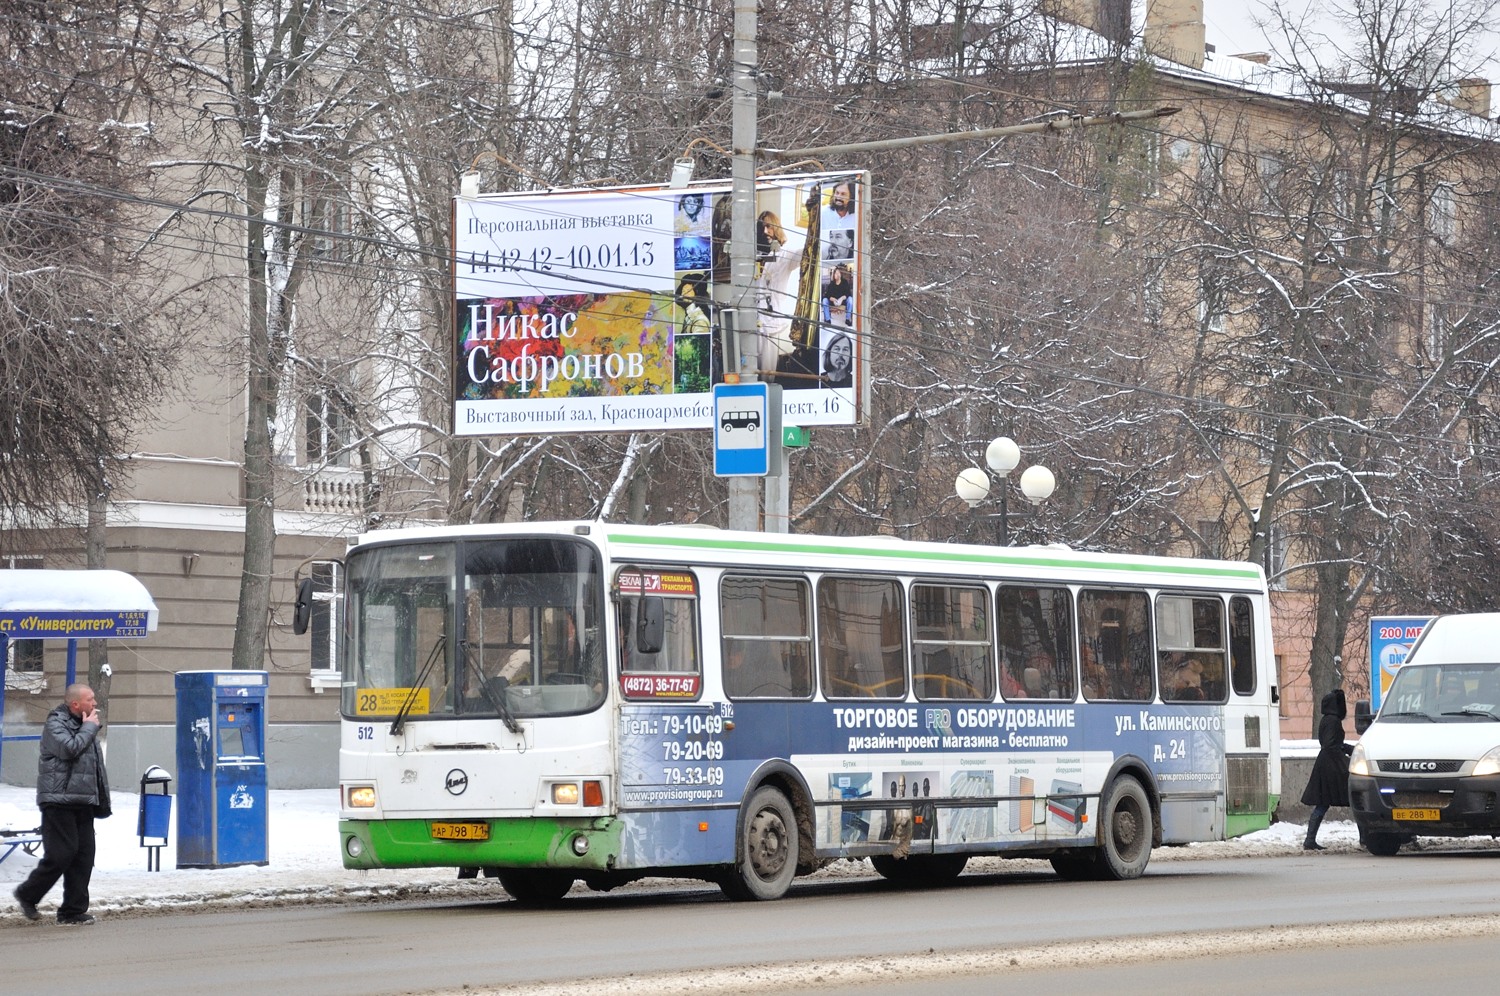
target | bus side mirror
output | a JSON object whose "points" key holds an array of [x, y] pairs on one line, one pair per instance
{"points": [[650, 625], [1362, 715], [302, 608]]}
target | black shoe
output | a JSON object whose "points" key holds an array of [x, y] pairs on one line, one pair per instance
{"points": [[78, 920], [1312, 845], [28, 910]]}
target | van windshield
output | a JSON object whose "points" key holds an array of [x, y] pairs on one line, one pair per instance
{"points": [[1444, 693]]}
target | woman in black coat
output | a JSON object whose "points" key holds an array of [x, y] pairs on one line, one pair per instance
{"points": [[1329, 784]]}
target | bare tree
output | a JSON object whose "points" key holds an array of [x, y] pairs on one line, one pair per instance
{"points": [[77, 335]]}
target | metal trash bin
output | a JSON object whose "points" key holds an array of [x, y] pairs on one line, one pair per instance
{"points": [[154, 820]]}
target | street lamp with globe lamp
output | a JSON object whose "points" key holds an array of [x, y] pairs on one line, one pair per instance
{"points": [[1004, 456]]}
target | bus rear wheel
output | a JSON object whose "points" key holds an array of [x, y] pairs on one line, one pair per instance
{"points": [[535, 886], [1125, 831], [767, 858], [923, 869]]}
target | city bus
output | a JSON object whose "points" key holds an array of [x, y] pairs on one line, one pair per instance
{"points": [[594, 702]]}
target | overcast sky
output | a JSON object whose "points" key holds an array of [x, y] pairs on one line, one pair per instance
{"points": [[1229, 26]]}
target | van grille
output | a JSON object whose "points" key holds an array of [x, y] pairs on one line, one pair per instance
{"points": [[1417, 766]]}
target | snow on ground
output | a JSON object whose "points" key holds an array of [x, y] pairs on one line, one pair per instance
{"points": [[304, 864]]}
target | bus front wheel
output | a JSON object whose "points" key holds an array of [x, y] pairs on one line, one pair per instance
{"points": [[1125, 831], [535, 886], [767, 858]]}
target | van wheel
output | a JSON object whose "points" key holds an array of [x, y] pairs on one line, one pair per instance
{"points": [[767, 858], [1382, 845], [1125, 831]]}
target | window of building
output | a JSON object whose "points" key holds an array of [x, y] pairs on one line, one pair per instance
{"points": [[950, 641], [325, 212], [1438, 326], [328, 432], [327, 613], [1213, 295], [861, 646], [1211, 538], [767, 627], [1278, 545], [23, 656], [1036, 642], [1442, 214]]}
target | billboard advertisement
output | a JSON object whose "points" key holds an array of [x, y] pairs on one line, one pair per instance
{"points": [[601, 310], [1391, 638]]}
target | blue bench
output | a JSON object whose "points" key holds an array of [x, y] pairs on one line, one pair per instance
{"points": [[27, 840]]}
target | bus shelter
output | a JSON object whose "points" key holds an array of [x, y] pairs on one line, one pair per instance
{"points": [[72, 606]]}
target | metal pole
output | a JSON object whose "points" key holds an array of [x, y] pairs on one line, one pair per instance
{"points": [[744, 492], [1004, 514]]}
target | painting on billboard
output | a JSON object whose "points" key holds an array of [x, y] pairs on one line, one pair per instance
{"points": [[602, 310]]}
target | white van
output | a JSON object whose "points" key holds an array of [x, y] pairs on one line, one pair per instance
{"points": [[1428, 764]]}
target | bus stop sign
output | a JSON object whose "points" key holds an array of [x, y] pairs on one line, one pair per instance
{"points": [[747, 430]]}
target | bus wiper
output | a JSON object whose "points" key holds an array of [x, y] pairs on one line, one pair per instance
{"points": [[495, 696], [399, 723], [1406, 715]]}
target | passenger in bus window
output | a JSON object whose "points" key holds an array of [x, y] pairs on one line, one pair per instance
{"points": [[1186, 682], [1011, 687]]}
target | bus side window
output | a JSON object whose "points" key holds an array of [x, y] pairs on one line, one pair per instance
{"points": [[767, 636], [861, 638], [1114, 630], [1036, 642], [1241, 646]]}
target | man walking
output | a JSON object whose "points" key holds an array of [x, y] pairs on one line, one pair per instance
{"points": [[71, 790]]}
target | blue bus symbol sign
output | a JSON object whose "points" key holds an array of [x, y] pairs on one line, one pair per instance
{"points": [[746, 422]]}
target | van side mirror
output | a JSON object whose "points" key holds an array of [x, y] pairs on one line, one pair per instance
{"points": [[1363, 717], [650, 624], [302, 608]]}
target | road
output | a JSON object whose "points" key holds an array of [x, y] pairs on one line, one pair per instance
{"points": [[834, 935]]}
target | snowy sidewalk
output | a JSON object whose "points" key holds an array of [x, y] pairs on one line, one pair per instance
{"points": [[304, 862]]}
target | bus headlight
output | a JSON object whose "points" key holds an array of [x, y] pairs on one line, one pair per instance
{"points": [[362, 797], [565, 793], [354, 846], [1489, 764], [1358, 763]]}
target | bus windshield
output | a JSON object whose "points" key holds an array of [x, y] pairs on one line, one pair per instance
{"points": [[480, 628]]}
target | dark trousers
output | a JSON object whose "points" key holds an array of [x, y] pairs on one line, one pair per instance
{"points": [[67, 854], [1315, 820]]}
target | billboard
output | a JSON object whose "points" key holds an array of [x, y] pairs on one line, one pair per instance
{"points": [[601, 310], [1391, 639]]}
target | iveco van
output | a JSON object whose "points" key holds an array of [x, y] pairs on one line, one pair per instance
{"points": [[1428, 764]]}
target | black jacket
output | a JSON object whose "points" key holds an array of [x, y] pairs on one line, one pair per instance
{"points": [[1329, 784], [70, 771]]}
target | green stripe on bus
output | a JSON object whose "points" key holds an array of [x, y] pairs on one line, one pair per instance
{"points": [[880, 549]]}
